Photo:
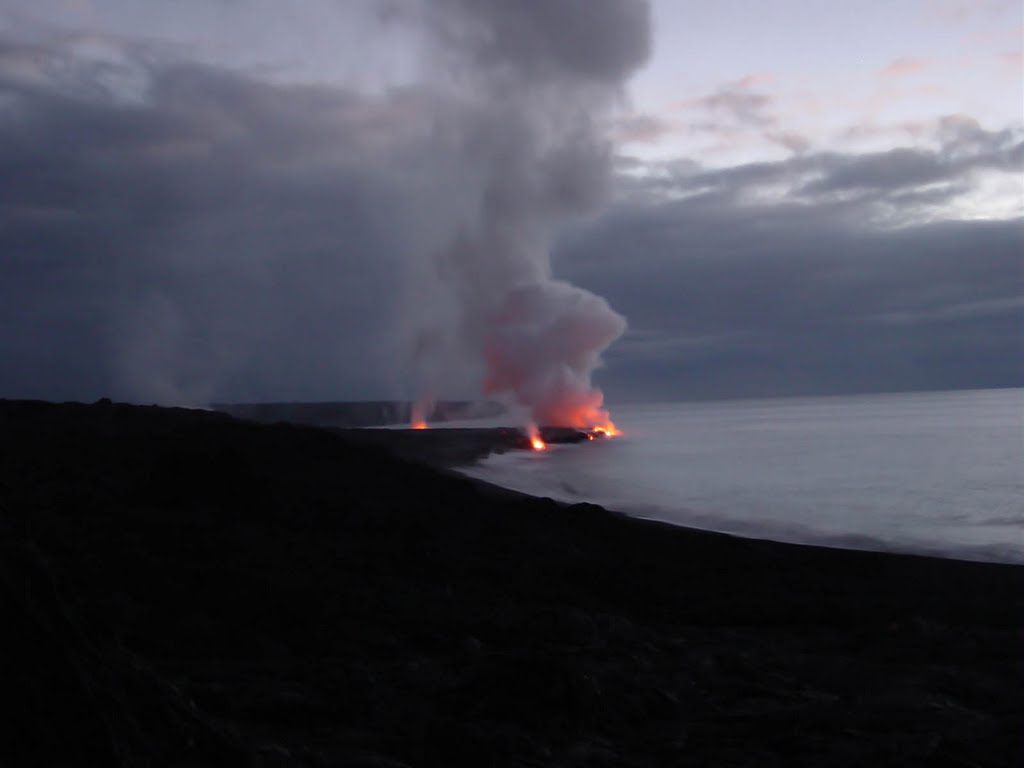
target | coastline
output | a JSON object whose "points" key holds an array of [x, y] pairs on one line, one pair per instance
{"points": [[453, 450], [236, 592]]}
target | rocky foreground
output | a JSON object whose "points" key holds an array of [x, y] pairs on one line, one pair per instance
{"points": [[179, 588]]}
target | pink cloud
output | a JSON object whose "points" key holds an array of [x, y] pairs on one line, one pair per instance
{"points": [[736, 100], [905, 66], [754, 78], [957, 11]]}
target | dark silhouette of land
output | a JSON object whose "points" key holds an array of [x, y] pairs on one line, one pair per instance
{"points": [[181, 588], [371, 413]]}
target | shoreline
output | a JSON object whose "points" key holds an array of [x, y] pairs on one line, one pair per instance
{"points": [[185, 586], [455, 449]]}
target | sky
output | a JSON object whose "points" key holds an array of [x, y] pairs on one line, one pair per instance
{"points": [[241, 200]]}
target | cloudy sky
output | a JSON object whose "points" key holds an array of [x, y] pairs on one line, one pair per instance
{"points": [[235, 199]]}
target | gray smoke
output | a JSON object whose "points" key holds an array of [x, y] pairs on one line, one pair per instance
{"points": [[528, 88], [177, 230]]}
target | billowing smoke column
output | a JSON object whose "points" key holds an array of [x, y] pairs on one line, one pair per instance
{"points": [[543, 344], [530, 87]]}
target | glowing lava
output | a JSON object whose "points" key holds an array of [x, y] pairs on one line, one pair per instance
{"points": [[421, 411], [608, 429], [604, 430]]}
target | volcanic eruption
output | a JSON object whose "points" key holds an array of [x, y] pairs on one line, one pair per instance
{"points": [[530, 89]]}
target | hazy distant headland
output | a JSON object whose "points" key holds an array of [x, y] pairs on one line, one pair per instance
{"points": [[363, 413]]}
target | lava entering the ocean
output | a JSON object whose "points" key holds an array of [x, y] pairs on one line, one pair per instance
{"points": [[535, 437], [536, 441], [608, 429]]}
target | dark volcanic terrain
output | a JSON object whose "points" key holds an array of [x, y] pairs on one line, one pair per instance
{"points": [[180, 588]]}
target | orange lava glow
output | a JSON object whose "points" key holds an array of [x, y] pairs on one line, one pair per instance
{"points": [[608, 429], [536, 441], [419, 425]]}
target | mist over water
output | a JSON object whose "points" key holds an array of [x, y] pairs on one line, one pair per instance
{"points": [[935, 473]]}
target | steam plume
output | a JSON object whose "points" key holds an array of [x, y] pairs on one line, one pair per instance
{"points": [[528, 87]]}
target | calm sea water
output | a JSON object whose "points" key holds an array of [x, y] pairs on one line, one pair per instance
{"points": [[938, 473]]}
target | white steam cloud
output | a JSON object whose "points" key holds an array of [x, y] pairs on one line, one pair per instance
{"points": [[528, 89], [228, 229]]}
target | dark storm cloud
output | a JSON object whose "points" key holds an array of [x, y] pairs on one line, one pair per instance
{"points": [[731, 296], [893, 169], [210, 233], [965, 147], [176, 232], [912, 174]]}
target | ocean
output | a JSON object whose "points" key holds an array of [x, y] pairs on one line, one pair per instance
{"points": [[939, 473]]}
